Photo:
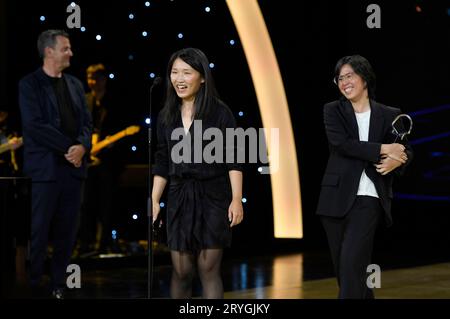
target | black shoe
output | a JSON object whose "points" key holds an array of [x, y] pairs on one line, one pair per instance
{"points": [[58, 294]]}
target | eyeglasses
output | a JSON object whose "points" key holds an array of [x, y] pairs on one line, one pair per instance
{"points": [[342, 78]]}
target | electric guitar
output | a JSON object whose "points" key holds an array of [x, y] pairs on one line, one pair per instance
{"points": [[8, 146], [12, 144], [98, 146]]}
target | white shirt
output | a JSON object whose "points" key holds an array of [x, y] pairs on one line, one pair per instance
{"points": [[366, 186]]}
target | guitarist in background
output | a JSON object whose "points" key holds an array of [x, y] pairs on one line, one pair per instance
{"points": [[95, 234], [8, 144]]}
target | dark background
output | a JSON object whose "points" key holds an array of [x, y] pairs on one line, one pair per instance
{"points": [[409, 53]]}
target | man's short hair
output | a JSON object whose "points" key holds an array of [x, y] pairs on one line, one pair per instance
{"points": [[48, 39]]}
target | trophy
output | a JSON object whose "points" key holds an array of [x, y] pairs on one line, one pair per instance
{"points": [[401, 126]]}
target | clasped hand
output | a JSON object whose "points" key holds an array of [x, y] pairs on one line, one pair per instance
{"points": [[75, 155], [393, 157]]}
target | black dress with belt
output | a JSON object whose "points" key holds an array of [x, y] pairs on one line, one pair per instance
{"points": [[199, 192]]}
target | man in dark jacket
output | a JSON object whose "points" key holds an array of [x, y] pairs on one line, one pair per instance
{"points": [[57, 131]]}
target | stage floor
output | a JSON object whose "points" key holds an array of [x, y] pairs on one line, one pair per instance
{"points": [[291, 276]]}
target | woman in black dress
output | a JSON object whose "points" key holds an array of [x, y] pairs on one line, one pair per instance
{"points": [[204, 196]]}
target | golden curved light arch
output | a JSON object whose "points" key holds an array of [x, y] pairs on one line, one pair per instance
{"points": [[274, 111]]}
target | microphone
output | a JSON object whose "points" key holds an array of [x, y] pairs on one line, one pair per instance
{"points": [[150, 230], [156, 82]]}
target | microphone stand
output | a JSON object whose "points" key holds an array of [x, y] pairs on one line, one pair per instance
{"points": [[156, 81]]}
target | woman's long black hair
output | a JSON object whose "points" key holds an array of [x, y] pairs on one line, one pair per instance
{"points": [[207, 96]]}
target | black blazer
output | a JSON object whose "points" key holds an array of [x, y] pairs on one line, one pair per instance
{"points": [[349, 157], [44, 143]]}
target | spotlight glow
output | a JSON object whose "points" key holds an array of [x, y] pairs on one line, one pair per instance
{"points": [[262, 62], [133, 148], [98, 37], [147, 3], [131, 16], [147, 120], [152, 75], [211, 65], [82, 29], [144, 33], [244, 200], [135, 216], [162, 204], [42, 18], [208, 9], [111, 75], [180, 35], [241, 113], [232, 42]]}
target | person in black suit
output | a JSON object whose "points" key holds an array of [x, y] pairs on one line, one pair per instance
{"points": [[356, 191], [57, 131]]}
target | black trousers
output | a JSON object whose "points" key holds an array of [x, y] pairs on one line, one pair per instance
{"points": [[351, 243], [55, 207]]}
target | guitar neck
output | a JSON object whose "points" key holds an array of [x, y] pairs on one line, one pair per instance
{"points": [[107, 141], [7, 147]]}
